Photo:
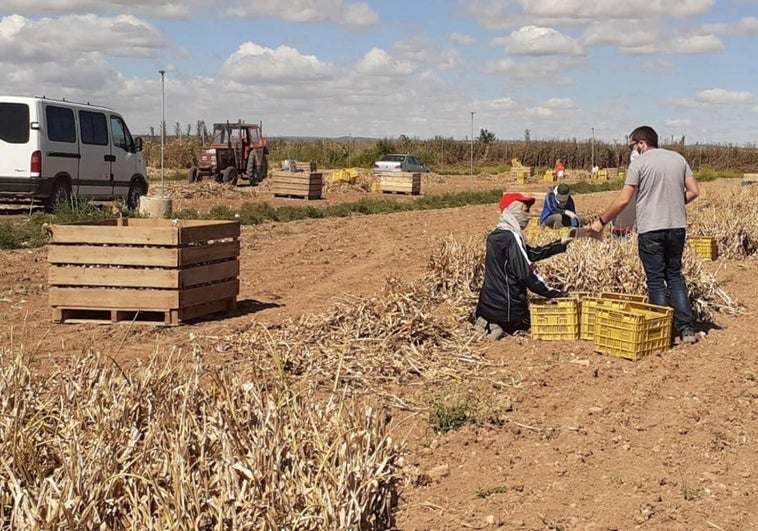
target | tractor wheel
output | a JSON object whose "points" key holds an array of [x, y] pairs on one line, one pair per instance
{"points": [[59, 196], [229, 176], [193, 174], [250, 170], [262, 170]]}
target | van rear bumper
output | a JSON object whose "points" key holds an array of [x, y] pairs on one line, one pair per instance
{"points": [[24, 187]]}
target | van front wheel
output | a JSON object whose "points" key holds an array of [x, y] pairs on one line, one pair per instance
{"points": [[136, 190], [59, 196]]}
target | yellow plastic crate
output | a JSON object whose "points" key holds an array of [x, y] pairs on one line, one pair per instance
{"points": [[705, 247], [589, 304], [521, 178], [555, 319], [633, 332], [550, 176]]}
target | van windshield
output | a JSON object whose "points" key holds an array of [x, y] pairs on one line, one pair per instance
{"points": [[14, 123]]}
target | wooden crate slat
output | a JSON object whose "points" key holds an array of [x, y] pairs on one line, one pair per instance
{"points": [[114, 298], [124, 256], [204, 274], [114, 235], [195, 296], [204, 233], [208, 253], [113, 277]]}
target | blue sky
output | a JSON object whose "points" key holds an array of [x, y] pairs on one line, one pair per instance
{"points": [[560, 68]]}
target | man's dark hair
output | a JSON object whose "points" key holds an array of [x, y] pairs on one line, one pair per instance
{"points": [[645, 133]]}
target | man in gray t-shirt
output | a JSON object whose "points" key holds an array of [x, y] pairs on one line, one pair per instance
{"points": [[663, 183]]}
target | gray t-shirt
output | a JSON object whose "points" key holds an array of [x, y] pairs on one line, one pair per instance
{"points": [[659, 174]]}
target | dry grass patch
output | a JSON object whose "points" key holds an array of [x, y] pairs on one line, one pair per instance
{"points": [[92, 447]]}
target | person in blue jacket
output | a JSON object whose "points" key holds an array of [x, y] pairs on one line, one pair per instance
{"points": [[559, 209]]}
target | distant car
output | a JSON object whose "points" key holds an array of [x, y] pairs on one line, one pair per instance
{"points": [[399, 162]]}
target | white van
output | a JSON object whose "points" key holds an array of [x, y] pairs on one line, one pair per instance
{"points": [[56, 150]]}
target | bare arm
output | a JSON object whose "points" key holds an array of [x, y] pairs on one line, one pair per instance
{"points": [[624, 198], [692, 190]]}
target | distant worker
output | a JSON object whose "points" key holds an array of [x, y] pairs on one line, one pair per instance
{"points": [[503, 306], [559, 209], [559, 170]]}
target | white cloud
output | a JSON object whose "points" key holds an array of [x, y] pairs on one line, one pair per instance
{"points": [[698, 44], [724, 97], [621, 33], [357, 14], [745, 26], [541, 71], [426, 52], [658, 66], [680, 124], [252, 63], [499, 14], [147, 7], [533, 40], [461, 39], [378, 62], [53, 39]]}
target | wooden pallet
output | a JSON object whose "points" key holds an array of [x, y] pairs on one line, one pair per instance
{"points": [[141, 316], [304, 185], [400, 182], [142, 270]]}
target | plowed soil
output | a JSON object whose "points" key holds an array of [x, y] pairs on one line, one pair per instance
{"points": [[588, 442]]}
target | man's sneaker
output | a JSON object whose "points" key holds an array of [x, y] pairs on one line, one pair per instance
{"points": [[689, 336]]}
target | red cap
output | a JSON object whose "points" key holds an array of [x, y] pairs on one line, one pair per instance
{"points": [[509, 198]]}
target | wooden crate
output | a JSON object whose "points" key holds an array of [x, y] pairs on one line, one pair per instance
{"points": [[305, 185], [143, 270], [521, 174], [400, 182]]}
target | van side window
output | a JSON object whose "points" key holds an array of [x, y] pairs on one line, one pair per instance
{"points": [[94, 128], [120, 134], [14, 127], [60, 124]]}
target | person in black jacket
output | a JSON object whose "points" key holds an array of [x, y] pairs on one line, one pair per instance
{"points": [[503, 306]]}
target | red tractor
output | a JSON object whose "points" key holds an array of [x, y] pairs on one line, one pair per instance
{"points": [[237, 150]]}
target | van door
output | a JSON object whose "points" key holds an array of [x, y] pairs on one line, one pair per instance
{"points": [[60, 154], [125, 157], [95, 170], [15, 147]]}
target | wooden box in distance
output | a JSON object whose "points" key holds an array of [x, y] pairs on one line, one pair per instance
{"points": [[305, 185], [154, 271], [521, 173], [400, 182]]}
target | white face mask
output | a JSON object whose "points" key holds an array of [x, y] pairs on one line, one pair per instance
{"points": [[522, 218], [633, 155]]}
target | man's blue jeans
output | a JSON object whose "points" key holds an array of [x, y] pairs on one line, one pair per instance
{"points": [[661, 255]]}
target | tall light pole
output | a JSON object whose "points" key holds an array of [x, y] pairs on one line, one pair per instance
{"points": [[472, 142], [593, 150], [163, 132]]}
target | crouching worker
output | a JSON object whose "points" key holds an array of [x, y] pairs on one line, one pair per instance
{"points": [[559, 209], [503, 306]]}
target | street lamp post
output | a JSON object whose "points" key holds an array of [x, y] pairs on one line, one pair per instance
{"points": [[472, 142], [163, 132]]}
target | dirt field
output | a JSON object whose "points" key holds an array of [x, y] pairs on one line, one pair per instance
{"points": [[589, 442]]}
